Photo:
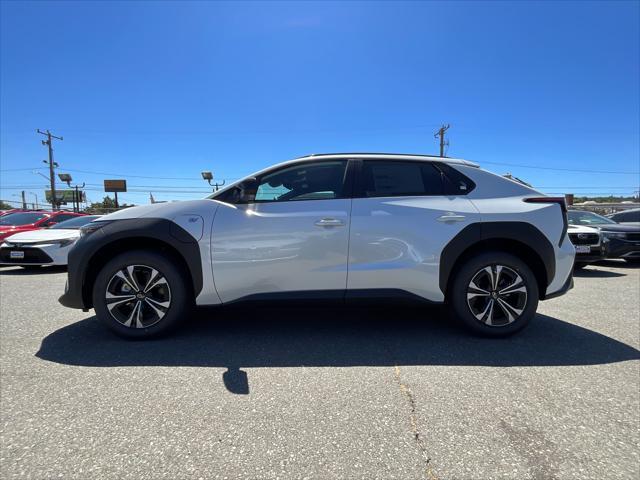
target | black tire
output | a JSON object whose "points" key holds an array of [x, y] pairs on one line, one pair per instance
{"points": [[472, 269], [176, 289]]}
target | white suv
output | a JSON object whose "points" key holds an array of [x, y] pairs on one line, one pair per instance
{"points": [[339, 226]]}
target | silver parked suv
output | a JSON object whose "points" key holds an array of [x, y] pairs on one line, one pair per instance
{"points": [[338, 226]]}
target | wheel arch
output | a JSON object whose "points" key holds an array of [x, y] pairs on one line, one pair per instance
{"points": [[520, 239], [150, 244]]}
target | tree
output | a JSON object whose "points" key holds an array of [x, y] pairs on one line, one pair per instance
{"points": [[107, 205], [5, 206]]}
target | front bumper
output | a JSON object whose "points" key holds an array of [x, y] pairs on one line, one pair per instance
{"points": [[31, 256], [72, 298], [596, 254], [619, 248]]}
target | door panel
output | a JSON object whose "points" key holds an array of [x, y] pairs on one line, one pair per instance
{"points": [[396, 241], [280, 246]]}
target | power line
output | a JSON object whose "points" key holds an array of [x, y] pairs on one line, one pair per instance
{"points": [[19, 169], [561, 169]]}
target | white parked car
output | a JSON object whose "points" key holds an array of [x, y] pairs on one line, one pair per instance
{"points": [[49, 246], [590, 247], [338, 226]]}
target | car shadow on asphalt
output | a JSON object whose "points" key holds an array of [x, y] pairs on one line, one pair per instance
{"points": [[594, 272], [616, 263], [236, 338], [14, 270]]}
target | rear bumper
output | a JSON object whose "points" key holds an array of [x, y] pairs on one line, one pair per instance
{"points": [[568, 285]]}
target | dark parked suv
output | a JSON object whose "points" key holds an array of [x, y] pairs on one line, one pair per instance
{"points": [[622, 240]]}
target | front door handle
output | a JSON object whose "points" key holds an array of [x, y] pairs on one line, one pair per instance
{"points": [[329, 222], [451, 217]]}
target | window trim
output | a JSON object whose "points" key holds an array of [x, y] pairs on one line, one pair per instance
{"points": [[347, 181], [359, 188]]}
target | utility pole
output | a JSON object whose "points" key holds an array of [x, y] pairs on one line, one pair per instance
{"points": [[24, 201], [440, 133], [52, 165]]}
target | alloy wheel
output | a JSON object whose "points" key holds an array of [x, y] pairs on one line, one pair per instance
{"points": [[497, 295], [138, 296]]}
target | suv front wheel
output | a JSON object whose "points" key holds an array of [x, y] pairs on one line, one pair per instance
{"points": [[494, 294], [140, 294]]}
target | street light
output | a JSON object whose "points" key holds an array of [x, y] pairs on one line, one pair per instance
{"points": [[208, 176], [65, 177]]}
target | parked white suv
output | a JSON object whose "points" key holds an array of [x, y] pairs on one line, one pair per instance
{"points": [[339, 226]]}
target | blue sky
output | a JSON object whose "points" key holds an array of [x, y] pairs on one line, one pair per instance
{"points": [[144, 90]]}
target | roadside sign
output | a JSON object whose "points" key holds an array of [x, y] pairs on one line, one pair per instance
{"points": [[115, 186], [63, 196]]}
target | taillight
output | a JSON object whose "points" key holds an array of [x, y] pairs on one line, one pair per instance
{"points": [[563, 206], [559, 200]]}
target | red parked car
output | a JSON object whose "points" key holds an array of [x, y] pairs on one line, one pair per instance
{"points": [[23, 221]]}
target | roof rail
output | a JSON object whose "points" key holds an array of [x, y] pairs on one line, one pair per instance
{"points": [[371, 153]]}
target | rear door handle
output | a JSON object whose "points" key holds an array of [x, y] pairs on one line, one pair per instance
{"points": [[329, 222], [451, 217]]}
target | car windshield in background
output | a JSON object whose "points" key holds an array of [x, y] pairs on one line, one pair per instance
{"points": [[75, 223], [587, 218], [21, 218]]}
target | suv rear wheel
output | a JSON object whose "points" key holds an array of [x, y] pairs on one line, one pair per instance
{"points": [[494, 294], [141, 294]]}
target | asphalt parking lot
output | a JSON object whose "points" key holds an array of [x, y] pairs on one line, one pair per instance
{"points": [[322, 391]]}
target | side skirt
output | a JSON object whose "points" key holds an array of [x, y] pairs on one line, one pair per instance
{"points": [[350, 297]]}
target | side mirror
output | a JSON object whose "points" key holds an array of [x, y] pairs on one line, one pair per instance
{"points": [[248, 189]]}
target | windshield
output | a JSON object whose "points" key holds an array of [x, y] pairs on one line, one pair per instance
{"points": [[577, 217], [21, 218], [75, 223]]}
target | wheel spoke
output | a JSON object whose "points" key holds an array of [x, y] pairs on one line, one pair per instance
{"points": [[516, 281], [519, 287], [489, 271], [511, 312], [130, 270], [474, 288], [489, 319], [139, 316], [158, 280], [152, 278], [123, 276], [497, 280], [487, 309], [114, 300], [134, 314], [160, 304], [159, 312]]}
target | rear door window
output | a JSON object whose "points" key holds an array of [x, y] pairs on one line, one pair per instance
{"points": [[400, 179]]}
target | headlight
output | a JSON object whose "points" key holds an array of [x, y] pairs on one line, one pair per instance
{"points": [[65, 242], [614, 235], [92, 227]]}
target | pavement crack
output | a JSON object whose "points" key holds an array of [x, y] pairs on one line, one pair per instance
{"points": [[413, 422]]}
